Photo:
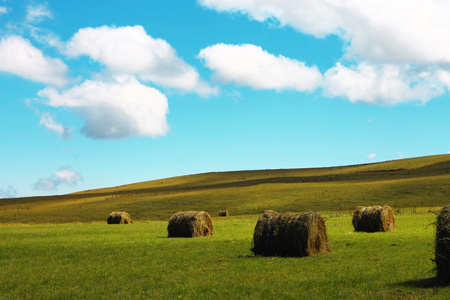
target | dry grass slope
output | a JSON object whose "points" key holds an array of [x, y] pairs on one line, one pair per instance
{"points": [[408, 183]]}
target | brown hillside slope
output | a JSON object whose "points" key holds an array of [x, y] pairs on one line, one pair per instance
{"points": [[423, 181]]}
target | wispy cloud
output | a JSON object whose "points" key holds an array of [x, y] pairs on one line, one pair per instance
{"points": [[9, 192], [36, 13], [3, 10], [400, 155], [65, 175], [371, 156], [52, 125]]}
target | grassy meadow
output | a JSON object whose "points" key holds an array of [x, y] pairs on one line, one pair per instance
{"points": [[138, 261], [61, 247]]}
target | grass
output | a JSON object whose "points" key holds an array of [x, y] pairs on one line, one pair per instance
{"points": [[139, 261], [408, 183]]}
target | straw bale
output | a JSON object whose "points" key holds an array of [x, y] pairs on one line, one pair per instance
{"points": [[290, 234], [223, 213], [190, 224], [373, 219], [119, 218], [442, 251]]}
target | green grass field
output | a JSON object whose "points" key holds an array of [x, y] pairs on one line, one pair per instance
{"points": [[99, 261], [61, 247]]}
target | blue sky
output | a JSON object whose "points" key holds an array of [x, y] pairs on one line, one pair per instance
{"points": [[104, 93]]}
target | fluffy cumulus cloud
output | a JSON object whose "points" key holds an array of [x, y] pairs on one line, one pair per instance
{"points": [[383, 39], [130, 50], [65, 175], [18, 56], [115, 109], [383, 30], [250, 65], [387, 84]]}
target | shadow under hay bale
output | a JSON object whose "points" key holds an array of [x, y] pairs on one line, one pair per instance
{"points": [[119, 218], [442, 251], [374, 219], [290, 234], [190, 224], [223, 213]]}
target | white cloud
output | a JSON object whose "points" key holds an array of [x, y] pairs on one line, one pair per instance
{"points": [[386, 42], [121, 108], [400, 155], [131, 50], [371, 156], [37, 13], [388, 84], [19, 57], [65, 175], [444, 78], [52, 125], [9, 192], [250, 65], [382, 30], [3, 10]]}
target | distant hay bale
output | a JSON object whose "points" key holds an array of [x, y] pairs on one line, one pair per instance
{"points": [[223, 213], [119, 218], [290, 234], [443, 245], [373, 219], [190, 224]]}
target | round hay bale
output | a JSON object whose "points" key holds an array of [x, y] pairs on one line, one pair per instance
{"points": [[290, 234], [119, 218], [373, 219], [442, 251], [190, 224], [223, 213]]}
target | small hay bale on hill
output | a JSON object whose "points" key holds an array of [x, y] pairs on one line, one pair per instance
{"points": [[373, 219], [190, 224], [223, 213], [290, 234], [119, 218], [442, 251]]}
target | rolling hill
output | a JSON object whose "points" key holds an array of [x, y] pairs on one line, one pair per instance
{"points": [[406, 183]]}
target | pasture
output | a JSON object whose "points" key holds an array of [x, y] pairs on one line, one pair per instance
{"points": [[139, 261]]}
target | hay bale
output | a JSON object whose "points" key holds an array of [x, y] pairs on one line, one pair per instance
{"points": [[190, 224], [442, 251], [373, 219], [119, 218], [223, 213], [290, 234]]}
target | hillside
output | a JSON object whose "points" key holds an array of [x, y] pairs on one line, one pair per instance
{"points": [[415, 182]]}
